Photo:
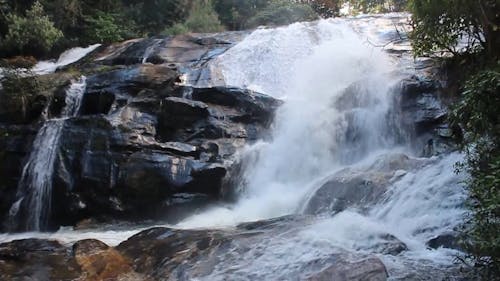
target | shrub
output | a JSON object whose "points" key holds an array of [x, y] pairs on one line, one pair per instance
{"points": [[102, 28], [176, 29], [477, 114], [203, 18], [33, 34]]}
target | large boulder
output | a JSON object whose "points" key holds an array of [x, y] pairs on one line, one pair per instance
{"points": [[165, 254], [34, 259], [359, 187], [366, 269], [423, 110], [45, 260]]}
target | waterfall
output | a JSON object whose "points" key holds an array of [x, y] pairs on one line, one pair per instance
{"points": [[338, 90], [35, 187], [338, 93], [74, 97]]}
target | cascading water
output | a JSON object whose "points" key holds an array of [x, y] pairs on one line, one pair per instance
{"points": [[149, 50], [35, 187], [337, 119], [338, 89], [338, 94], [68, 57]]}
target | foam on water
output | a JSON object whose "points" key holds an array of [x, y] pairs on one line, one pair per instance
{"points": [[338, 93], [68, 57], [338, 89]]}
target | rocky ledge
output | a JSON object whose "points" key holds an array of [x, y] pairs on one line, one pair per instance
{"points": [[143, 145]]}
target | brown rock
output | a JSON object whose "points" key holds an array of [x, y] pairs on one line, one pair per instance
{"points": [[100, 262], [370, 269]]}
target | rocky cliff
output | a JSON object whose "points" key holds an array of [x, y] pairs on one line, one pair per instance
{"points": [[143, 144]]}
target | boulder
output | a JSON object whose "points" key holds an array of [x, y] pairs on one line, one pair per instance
{"points": [[423, 106], [447, 240], [34, 259], [366, 269], [45, 260], [98, 261], [166, 254], [359, 187]]}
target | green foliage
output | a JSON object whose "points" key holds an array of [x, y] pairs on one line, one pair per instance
{"points": [[155, 15], [477, 114], [440, 24], [176, 29], [477, 111], [376, 6], [482, 232], [203, 18], [103, 28], [280, 12], [324, 8], [33, 34], [235, 13]]}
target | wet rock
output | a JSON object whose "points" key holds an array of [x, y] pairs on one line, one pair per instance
{"points": [[34, 259], [421, 104], [164, 253], [388, 245], [424, 108], [367, 269], [100, 262], [105, 88], [26, 98], [140, 140], [359, 187], [45, 260], [178, 113], [449, 240], [252, 106], [338, 194], [15, 144]]}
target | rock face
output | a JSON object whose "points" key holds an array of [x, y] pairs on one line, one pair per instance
{"points": [[169, 254], [142, 145], [423, 107]]}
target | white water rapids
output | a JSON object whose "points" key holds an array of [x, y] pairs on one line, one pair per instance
{"points": [[68, 57], [338, 89]]}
